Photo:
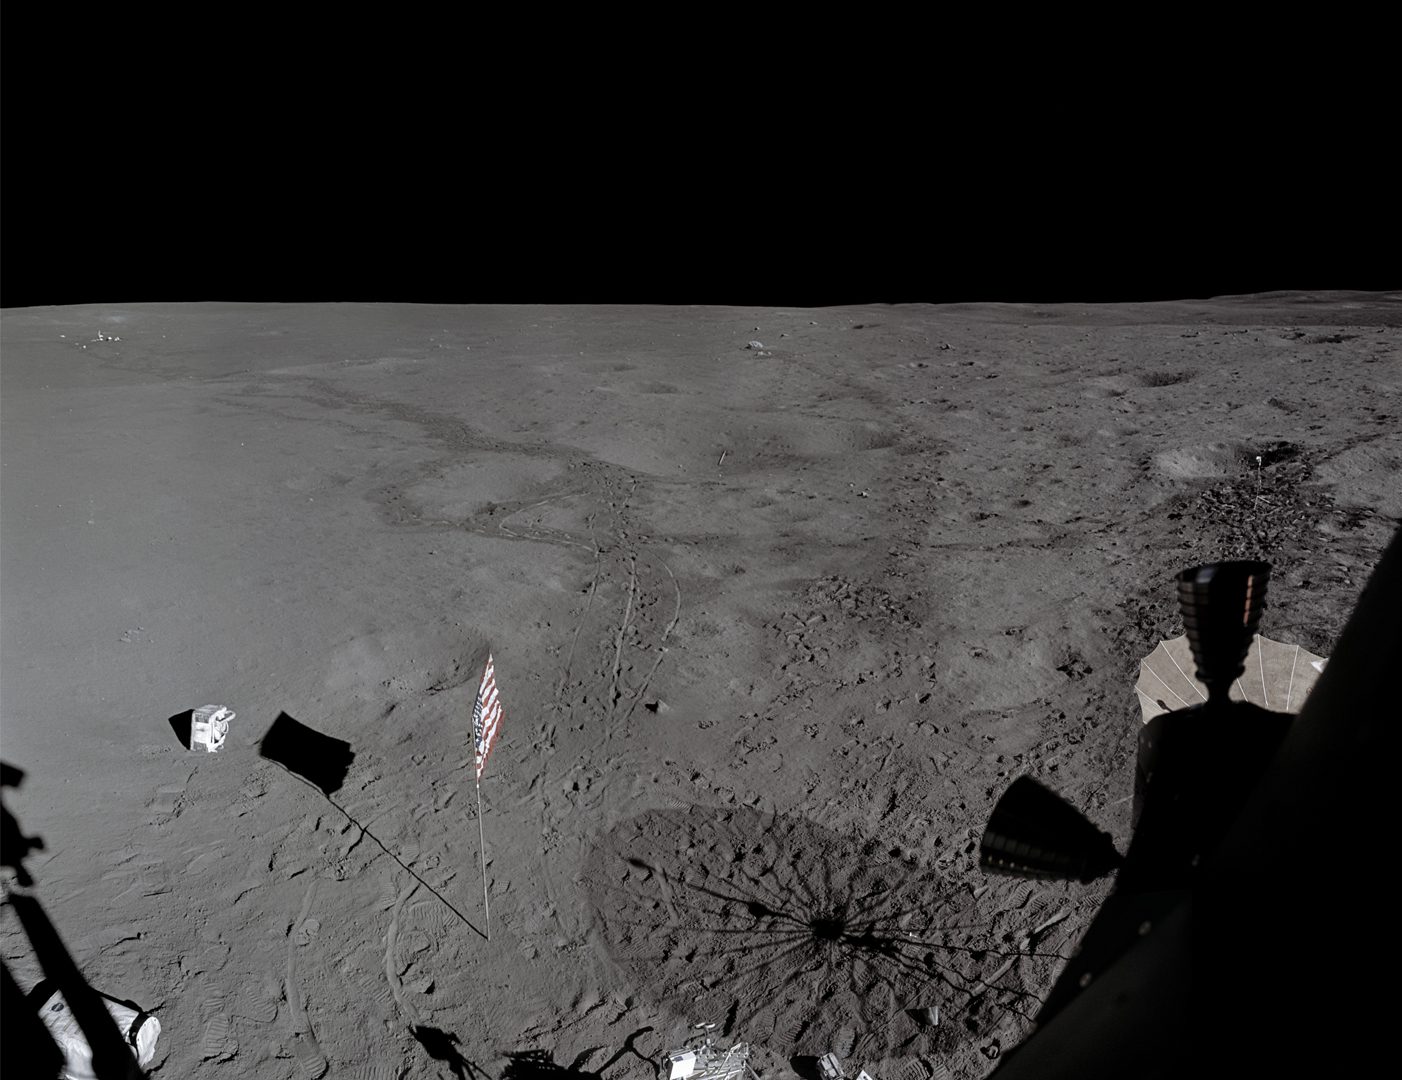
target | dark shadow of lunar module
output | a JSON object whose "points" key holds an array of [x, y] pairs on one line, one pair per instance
{"points": [[540, 1065], [803, 939], [27, 1048], [443, 1046]]}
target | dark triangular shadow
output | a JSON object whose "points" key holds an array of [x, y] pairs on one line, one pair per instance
{"points": [[318, 758], [180, 724]]}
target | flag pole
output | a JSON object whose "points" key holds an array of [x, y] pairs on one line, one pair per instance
{"points": [[483, 847]]}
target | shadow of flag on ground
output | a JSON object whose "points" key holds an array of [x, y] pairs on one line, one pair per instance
{"points": [[323, 762], [311, 755]]}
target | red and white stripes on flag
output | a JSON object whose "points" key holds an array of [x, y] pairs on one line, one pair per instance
{"points": [[486, 716]]}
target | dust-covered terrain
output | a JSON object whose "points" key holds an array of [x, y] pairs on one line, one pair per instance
{"points": [[780, 601]]}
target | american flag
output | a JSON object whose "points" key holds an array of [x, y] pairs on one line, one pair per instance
{"points": [[486, 716]]}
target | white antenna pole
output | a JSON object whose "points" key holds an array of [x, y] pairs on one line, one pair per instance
{"points": [[483, 847]]}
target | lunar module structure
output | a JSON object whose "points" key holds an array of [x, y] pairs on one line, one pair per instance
{"points": [[1241, 810]]}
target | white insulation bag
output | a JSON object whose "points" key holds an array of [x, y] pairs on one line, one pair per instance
{"points": [[138, 1028]]}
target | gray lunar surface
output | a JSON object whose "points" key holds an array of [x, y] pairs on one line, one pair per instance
{"points": [[773, 627]]}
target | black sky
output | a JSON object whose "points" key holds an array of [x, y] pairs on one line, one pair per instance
{"points": [[250, 160]]}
